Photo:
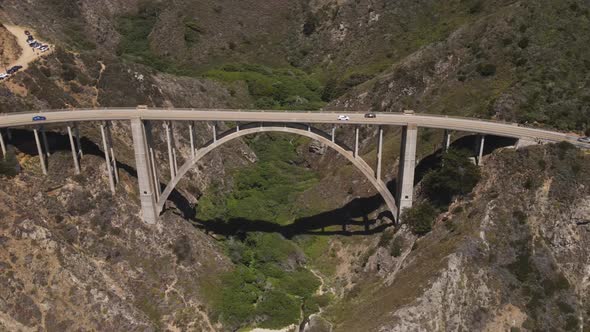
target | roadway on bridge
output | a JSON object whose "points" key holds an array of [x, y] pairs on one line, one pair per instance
{"points": [[312, 117]]}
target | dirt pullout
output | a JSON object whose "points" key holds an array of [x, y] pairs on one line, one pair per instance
{"points": [[27, 54], [9, 48]]}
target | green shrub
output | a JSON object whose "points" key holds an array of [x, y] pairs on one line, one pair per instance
{"points": [[486, 69], [420, 218], [281, 88], [396, 247], [9, 165], [456, 176]]}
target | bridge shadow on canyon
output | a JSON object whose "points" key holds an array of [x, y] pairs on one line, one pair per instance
{"points": [[347, 219], [357, 217]]}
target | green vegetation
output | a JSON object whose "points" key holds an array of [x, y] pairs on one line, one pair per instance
{"points": [[456, 176], [282, 88], [135, 43], [268, 287], [265, 190], [420, 217], [8, 165]]}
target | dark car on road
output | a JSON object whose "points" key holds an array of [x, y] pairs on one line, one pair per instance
{"points": [[370, 115], [39, 118], [13, 69]]}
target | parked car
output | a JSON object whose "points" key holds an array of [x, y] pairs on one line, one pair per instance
{"points": [[44, 48], [370, 115], [343, 117], [31, 41], [3, 76], [34, 44], [30, 38], [39, 118], [27, 33], [584, 139]]}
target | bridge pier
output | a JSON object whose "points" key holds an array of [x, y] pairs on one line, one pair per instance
{"points": [[356, 141], [2, 145], [191, 129], [152, 159], [446, 140], [171, 154], [45, 142], [74, 154], [107, 157], [480, 146], [407, 166], [40, 151], [333, 134], [379, 153], [215, 130], [112, 151], [146, 194]]}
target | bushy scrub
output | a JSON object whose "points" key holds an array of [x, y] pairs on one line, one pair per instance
{"points": [[268, 286], [420, 218], [272, 88], [264, 191], [457, 175]]}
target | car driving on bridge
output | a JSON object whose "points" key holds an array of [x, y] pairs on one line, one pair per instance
{"points": [[370, 115], [39, 118], [343, 117]]}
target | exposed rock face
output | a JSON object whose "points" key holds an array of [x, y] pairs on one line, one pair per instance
{"points": [[514, 255], [75, 257]]}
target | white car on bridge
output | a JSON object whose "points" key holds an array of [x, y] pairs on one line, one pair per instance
{"points": [[343, 117]]}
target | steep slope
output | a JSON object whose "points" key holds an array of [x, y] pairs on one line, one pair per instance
{"points": [[515, 254], [75, 257]]}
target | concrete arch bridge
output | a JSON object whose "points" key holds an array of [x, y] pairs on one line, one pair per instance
{"points": [[153, 197]]}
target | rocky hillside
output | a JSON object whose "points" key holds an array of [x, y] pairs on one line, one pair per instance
{"points": [[76, 257], [288, 234], [513, 255]]}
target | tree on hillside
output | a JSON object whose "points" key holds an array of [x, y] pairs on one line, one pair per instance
{"points": [[456, 176], [420, 217]]}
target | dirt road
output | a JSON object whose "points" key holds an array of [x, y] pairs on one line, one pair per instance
{"points": [[28, 54]]}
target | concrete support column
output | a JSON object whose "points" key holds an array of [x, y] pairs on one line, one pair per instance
{"points": [[379, 153], [356, 141], [112, 151], [333, 134], [74, 154], [2, 145], [215, 131], [107, 157], [191, 129], [170, 153], [45, 142], [155, 174], [146, 194], [237, 126], [40, 152], [446, 140], [480, 145], [78, 140], [407, 166]]}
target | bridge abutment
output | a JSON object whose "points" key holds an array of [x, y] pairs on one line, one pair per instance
{"points": [[407, 166], [144, 177]]}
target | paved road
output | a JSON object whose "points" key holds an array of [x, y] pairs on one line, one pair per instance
{"points": [[396, 119]]}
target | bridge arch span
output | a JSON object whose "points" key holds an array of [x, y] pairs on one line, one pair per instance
{"points": [[314, 133]]}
